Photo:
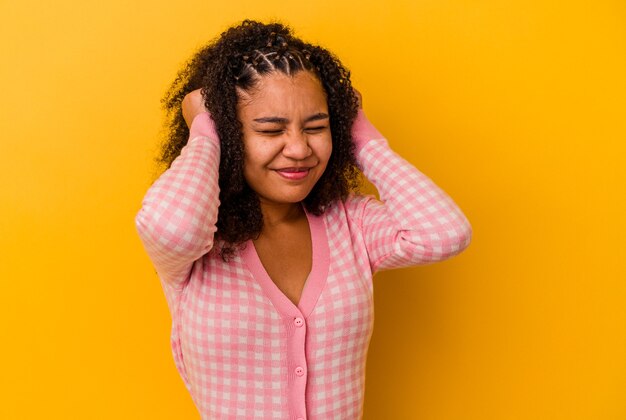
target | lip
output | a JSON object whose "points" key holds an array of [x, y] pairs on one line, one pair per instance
{"points": [[293, 174]]}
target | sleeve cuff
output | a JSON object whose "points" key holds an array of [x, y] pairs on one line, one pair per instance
{"points": [[363, 131], [203, 125]]}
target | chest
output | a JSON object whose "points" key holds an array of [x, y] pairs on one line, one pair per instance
{"points": [[287, 259], [237, 333], [233, 309]]}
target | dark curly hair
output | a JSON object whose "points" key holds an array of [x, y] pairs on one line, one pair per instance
{"points": [[237, 59]]}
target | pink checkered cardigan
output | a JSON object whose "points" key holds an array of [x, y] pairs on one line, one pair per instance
{"points": [[243, 349]]}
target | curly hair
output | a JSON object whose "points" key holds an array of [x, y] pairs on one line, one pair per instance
{"points": [[237, 59]]}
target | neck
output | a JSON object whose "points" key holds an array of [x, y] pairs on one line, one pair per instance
{"points": [[275, 214]]}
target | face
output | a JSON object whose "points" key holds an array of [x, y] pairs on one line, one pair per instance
{"points": [[286, 133]]}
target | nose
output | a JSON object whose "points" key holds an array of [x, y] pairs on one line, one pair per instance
{"points": [[297, 146]]}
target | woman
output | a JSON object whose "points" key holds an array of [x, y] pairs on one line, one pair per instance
{"points": [[271, 295]]}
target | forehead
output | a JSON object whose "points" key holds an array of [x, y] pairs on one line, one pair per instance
{"points": [[279, 93]]}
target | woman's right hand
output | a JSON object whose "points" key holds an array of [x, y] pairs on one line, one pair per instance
{"points": [[192, 105]]}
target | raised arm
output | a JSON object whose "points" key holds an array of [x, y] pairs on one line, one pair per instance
{"points": [[177, 219], [416, 222]]}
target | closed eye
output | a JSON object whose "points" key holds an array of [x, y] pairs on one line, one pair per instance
{"points": [[316, 128], [309, 129]]}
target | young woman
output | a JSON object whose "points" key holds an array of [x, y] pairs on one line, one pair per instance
{"points": [[264, 250]]}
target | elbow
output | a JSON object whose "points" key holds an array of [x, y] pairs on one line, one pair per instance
{"points": [[452, 242], [174, 236], [464, 238], [150, 231], [438, 246], [146, 227]]}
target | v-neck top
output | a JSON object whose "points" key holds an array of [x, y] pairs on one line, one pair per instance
{"points": [[315, 281], [242, 348]]}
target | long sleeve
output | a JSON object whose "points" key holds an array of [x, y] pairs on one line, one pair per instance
{"points": [[176, 222], [415, 222]]}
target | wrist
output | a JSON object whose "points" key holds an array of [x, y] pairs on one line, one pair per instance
{"points": [[363, 131], [203, 125]]}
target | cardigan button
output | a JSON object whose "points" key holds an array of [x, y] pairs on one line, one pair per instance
{"points": [[298, 321], [299, 371]]}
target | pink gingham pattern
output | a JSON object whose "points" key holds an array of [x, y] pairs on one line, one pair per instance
{"points": [[243, 349]]}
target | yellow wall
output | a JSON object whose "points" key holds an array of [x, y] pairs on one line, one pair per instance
{"points": [[516, 108]]}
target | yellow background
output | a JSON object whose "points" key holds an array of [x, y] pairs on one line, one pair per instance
{"points": [[516, 108]]}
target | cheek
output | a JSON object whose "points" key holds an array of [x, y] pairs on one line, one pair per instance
{"points": [[256, 153], [258, 156], [247, 168], [325, 149], [250, 164]]}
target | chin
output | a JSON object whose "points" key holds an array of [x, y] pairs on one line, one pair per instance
{"points": [[292, 198]]}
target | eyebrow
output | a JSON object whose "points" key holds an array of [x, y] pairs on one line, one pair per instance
{"points": [[280, 120]]}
